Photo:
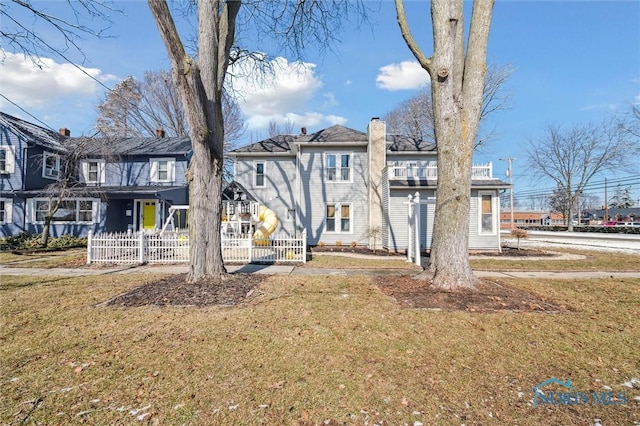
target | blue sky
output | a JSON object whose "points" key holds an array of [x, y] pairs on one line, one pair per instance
{"points": [[575, 61]]}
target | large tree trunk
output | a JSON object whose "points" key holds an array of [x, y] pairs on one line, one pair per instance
{"points": [[457, 81], [200, 85]]}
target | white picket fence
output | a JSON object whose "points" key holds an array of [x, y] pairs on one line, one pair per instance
{"points": [[172, 247]]}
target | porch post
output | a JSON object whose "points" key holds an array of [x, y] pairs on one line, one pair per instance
{"points": [[416, 224], [89, 241], [409, 226], [141, 247]]}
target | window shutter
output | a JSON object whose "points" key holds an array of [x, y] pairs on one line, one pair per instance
{"points": [[8, 210], [154, 171], [30, 211], [85, 171], [95, 211], [171, 166], [102, 171], [10, 160]]}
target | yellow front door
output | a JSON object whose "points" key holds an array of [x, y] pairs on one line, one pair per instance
{"points": [[149, 215]]}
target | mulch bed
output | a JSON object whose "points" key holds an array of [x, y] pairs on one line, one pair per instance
{"points": [[174, 290], [506, 252], [489, 296]]}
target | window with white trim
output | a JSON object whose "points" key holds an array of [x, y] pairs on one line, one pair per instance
{"points": [[162, 170], [338, 167], [487, 213], [6, 206], [260, 181], [50, 165], [338, 218], [7, 159], [69, 210], [93, 171]]}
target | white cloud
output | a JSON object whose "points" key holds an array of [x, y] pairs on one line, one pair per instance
{"points": [[280, 94], [403, 76], [311, 120], [286, 87], [329, 100], [31, 86]]}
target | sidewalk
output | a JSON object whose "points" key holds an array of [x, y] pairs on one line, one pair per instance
{"points": [[293, 270]]}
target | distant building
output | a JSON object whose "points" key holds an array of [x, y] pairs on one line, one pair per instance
{"points": [[530, 218]]}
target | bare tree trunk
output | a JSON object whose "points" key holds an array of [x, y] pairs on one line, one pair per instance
{"points": [[46, 232], [457, 81], [200, 86]]}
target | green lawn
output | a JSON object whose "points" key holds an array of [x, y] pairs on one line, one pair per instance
{"points": [[306, 350]]}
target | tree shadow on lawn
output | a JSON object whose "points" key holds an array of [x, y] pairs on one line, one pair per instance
{"points": [[238, 288]]}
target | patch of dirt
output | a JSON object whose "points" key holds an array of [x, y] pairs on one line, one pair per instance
{"points": [[489, 296], [174, 290]]}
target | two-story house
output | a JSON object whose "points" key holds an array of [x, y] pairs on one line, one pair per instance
{"points": [[341, 184], [121, 184]]}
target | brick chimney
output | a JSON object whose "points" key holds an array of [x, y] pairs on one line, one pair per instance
{"points": [[160, 133], [377, 161], [65, 132]]}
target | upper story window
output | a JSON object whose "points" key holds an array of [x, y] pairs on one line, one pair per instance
{"points": [[93, 171], [259, 174], [338, 167], [6, 159], [486, 214], [50, 165], [162, 170]]}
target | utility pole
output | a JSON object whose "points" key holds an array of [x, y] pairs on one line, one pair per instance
{"points": [[510, 175], [606, 203]]}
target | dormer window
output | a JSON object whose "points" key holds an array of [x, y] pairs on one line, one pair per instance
{"points": [[50, 165]]}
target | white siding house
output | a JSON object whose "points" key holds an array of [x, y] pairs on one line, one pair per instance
{"points": [[339, 183]]}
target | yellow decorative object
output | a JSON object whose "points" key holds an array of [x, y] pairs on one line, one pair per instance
{"points": [[269, 224]]}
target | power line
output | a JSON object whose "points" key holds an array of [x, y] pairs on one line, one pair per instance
{"points": [[27, 112]]}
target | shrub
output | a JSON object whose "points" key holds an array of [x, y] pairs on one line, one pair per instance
{"points": [[321, 244], [26, 241], [353, 244], [339, 243], [519, 233]]}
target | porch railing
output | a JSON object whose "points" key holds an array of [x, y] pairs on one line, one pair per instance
{"points": [[409, 171]]}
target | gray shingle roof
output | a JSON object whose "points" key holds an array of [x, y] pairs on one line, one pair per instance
{"points": [[32, 133], [401, 143], [333, 134], [140, 146]]}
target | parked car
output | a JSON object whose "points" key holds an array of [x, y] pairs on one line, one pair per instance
{"points": [[610, 223]]}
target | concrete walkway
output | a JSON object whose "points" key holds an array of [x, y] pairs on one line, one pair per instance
{"points": [[293, 270]]}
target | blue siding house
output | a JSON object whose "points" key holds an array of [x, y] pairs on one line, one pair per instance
{"points": [[119, 184]]}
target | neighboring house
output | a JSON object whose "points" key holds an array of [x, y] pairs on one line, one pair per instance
{"points": [[123, 184], [530, 218], [630, 214], [340, 183]]}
